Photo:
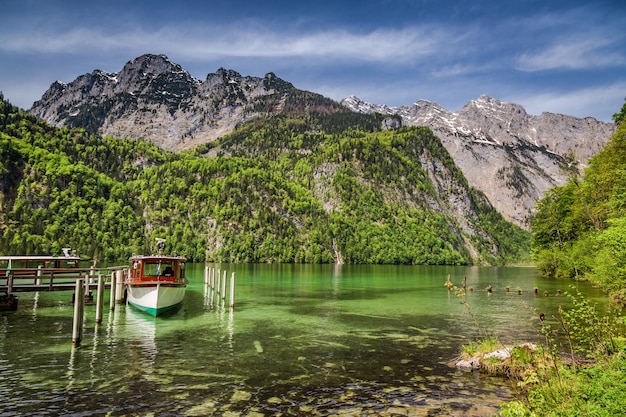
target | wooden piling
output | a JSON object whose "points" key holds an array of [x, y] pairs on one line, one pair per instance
{"points": [[79, 303], [112, 292], [10, 285], [119, 287], [219, 282], [232, 291], [99, 299], [87, 292], [224, 286]]}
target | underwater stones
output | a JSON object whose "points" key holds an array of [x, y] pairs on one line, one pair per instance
{"points": [[204, 409], [240, 396], [397, 411]]}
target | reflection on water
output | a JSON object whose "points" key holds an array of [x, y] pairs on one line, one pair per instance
{"points": [[302, 340]]}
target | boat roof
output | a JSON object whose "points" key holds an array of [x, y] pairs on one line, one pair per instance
{"points": [[158, 258]]}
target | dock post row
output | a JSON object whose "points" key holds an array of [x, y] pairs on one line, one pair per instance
{"points": [[215, 279], [116, 296]]}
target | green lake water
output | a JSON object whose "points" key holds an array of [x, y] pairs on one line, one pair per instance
{"points": [[301, 340]]}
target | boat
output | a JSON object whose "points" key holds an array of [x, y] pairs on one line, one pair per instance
{"points": [[156, 283]]}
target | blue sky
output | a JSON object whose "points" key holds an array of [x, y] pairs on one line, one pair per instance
{"points": [[559, 56]]}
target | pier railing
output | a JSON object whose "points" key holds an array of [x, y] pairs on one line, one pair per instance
{"points": [[53, 279]]}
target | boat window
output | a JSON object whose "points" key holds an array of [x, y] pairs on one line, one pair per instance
{"points": [[163, 269]]}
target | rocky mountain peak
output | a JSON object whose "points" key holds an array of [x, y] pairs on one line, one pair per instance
{"points": [[154, 99], [513, 157], [150, 64]]}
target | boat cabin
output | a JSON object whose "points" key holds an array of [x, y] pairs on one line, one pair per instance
{"points": [[157, 268]]}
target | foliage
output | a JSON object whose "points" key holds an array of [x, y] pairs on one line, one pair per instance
{"points": [[481, 347], [579, 229], [556, 389], [321, 186]]}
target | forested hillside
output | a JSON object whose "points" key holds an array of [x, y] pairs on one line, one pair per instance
{"points": [[315, 188], [580, 228]]}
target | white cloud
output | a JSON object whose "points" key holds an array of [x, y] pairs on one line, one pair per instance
{"points": [[377, 46], [603, 100], [576, 53]]}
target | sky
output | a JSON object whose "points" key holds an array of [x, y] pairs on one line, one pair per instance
{"points": [[562, 56]]}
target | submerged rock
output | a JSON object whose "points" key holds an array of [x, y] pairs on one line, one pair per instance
{"points": [[470, 365], [500, 354]]}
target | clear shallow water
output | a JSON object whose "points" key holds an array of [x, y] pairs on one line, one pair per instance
{"points": [[301, 340]]}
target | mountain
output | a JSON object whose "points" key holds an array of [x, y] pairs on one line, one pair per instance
{"points": [[156, 100], [320, 187], [511, 156]]}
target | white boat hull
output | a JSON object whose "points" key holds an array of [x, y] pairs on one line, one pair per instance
{"points": [[156, 298]]}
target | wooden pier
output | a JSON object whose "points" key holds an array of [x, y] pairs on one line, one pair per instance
{"points": [[48, 273], [54, 279]]}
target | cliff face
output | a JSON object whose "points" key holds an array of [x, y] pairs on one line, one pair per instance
{"points": [[513, 157]]}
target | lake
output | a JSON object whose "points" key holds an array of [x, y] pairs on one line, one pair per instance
{"points": [[301, 340]]}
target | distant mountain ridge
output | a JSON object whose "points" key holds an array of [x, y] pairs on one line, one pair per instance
{"points": [[509, 155], [513, 157]]}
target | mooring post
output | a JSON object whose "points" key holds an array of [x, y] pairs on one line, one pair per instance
{"points": [[119, 287], [39, 272], [232, 290], [9, 284], [112, 292], [87, 291], [99, 299], [206, 275], [219, 280], [79, 302], [224, 286]]}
